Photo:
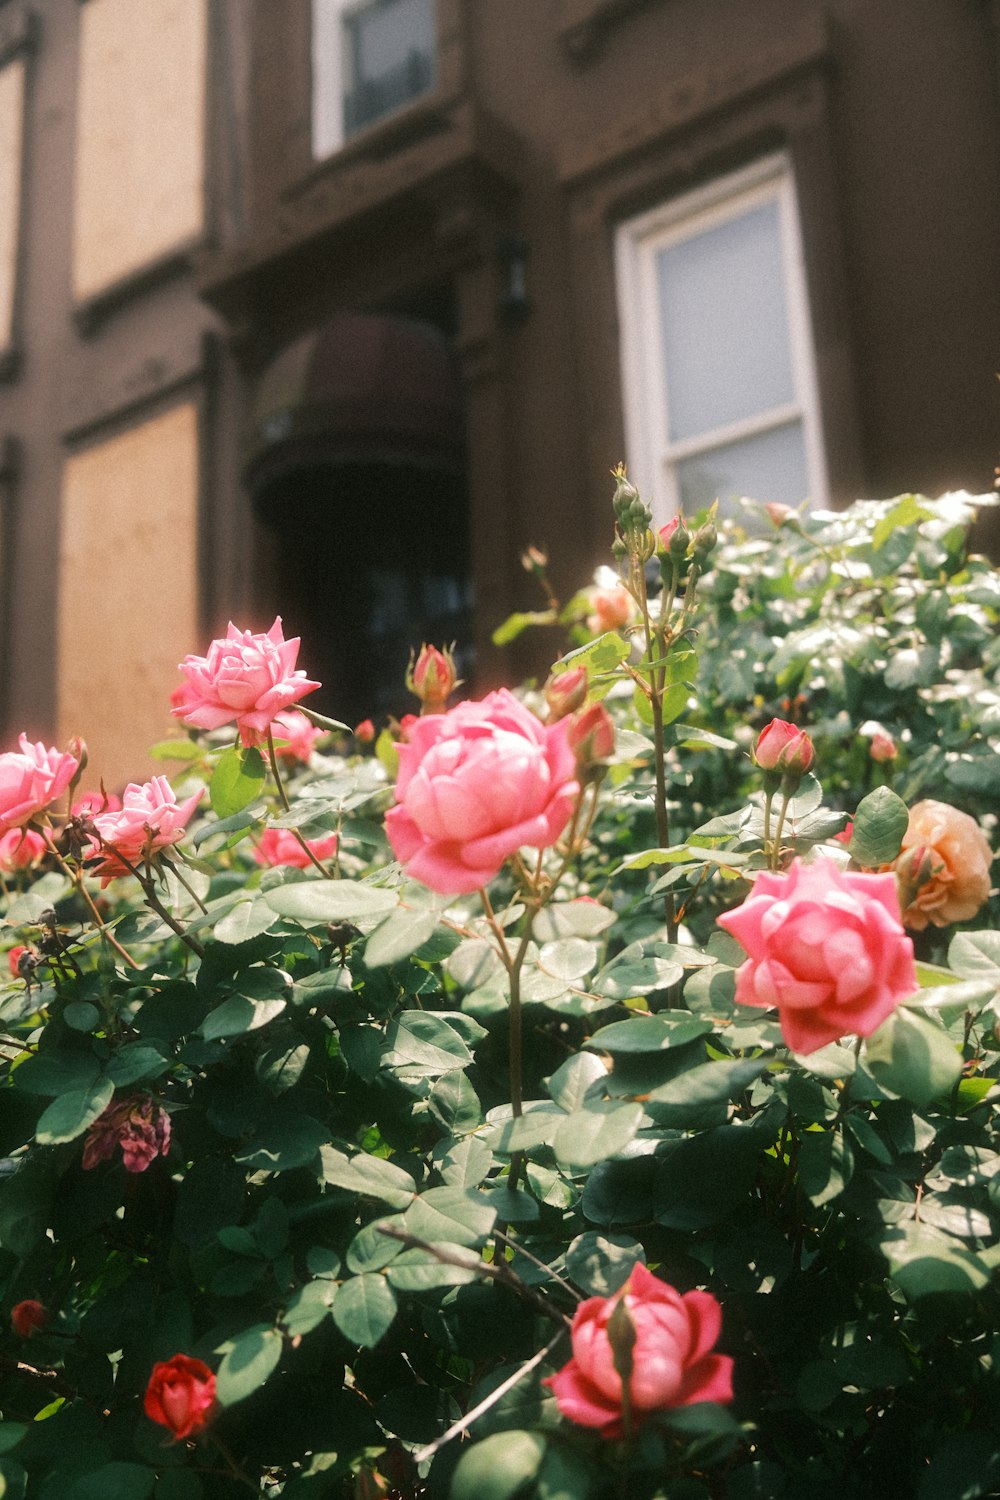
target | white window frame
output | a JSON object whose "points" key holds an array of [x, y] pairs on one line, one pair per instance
{"points": [[329, 67], [652, 455]]}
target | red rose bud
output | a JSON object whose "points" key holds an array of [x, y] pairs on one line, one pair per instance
{"points": [[591, 735], [181, 1395], [432, 678], [566, 692], [364, 732], [882, 747], [783, 747], [28, 1317]]}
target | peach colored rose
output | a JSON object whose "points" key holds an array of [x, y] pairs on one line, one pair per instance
{"points": [[180, 1395], [672, 1362], [475, 784], [943, 868], [150, 819], [826, 946], [30, 780], [279, 846], [610, 610], [249, 678]]}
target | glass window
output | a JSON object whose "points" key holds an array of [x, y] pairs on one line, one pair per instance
{"points": [[370, 57], [717, 360]]}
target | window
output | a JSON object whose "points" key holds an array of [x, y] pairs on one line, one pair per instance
{"points": [[370, 57], [717, 359]]}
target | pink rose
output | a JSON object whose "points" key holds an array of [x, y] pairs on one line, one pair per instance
{"points": [[882, 747], [826, 947], [364, 732], [301, 734], [149, 819], [249, 678], [30, 780], [95, 802], [672, 1362], [783, 747], [943, 868], [137, 1124], [476, 784], [432, 678], [279, 846], [591, 734], [20, 848]]}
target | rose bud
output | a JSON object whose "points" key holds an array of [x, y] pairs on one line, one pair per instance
{"points": [[28, 1317], [181, 1395], [432, 678], [783, 747], [364, 732], [591, 735], [566, 692], [882, 747], [777, 513]]}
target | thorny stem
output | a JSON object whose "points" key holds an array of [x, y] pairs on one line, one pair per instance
{"points": [[155, 904], [283, 797], [497, 1271], [234, 1466], [76, 876]]}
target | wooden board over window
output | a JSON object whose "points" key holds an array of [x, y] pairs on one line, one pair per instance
{"points": [[127, 591], [140, 136], [11, 130]]}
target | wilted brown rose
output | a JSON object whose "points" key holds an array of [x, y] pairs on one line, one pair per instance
{"points": [[943, 868]]}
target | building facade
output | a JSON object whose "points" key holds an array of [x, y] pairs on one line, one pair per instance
{"points": [[330, 307]]}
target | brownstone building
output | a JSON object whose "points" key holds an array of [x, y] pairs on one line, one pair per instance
{"points": [[331, 306]]}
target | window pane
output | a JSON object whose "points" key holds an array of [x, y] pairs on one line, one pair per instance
{"points": [[769, 466], [389, 58], [724, 323]]}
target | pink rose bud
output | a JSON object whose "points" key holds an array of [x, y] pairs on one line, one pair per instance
{"points": [[180, 1395], [279, 846], [665, 533], [534, 560], [364, 732], [783, 747], [432, 678], [566, 692], [827, 947], [14, 956], [137, 1124], [247, 678], [475, 785], [591, 735], [28, 1317], [149, 820], [670, 1337], [300, 734], [30, 781], [777, 513], [882, 747], [21, 849]]}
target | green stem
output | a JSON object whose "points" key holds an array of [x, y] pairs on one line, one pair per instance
{"points": [[283, 797], [775, 860], [76, 876]]}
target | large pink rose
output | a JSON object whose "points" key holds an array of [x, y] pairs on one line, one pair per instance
{"points": [[476, 784], [826, 947], [30, 780], [149, 819], [279, 846], [249, 678], [672, 1362]]}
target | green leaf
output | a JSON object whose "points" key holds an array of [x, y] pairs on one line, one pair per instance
{"points": [[423, 1041], [594, 1134], [309, 1306], [237, 779], [516, 624], [499, 1467], [879, 824], [826, 1165], [913, 1057], [314, 902], [906, 512], [681, 1099], [461, 1216], [398, 936], [923, 1260], [236, 1016], [70, 1115], [284, 1142], [564, 919], [463, 1161], [571, 1082], [454, 1102], [136, 1062], [249, 1359], [80, 1015], [114, 1481], [626, 976], [668, 1028], [364, 1309], [178, 750], [56, 1073], [246, 920], [368, 1176], [601, 1263], [972, 955], [419, 1270]]}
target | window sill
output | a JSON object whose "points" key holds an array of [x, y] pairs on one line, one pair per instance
{"points": [[91, 312]]}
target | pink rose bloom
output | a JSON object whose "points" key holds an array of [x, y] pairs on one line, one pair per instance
{"points": [[249, 678], [181, 1396], [150, 819], [672, 1362], [610, 610], [279, 846], [826, 947], [30, 780], [300, 732], [20, 848], [475, 785], [943, 868], [137, 1124]]}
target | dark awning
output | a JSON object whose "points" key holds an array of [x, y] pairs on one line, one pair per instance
{"points": [[363, 389]]}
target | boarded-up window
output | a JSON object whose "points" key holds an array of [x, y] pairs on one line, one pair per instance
{"points": [[127, 590], [11, 128], [140, 136]]}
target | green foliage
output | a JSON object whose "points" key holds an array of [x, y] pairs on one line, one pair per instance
{"points": [[366, 1241]]}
